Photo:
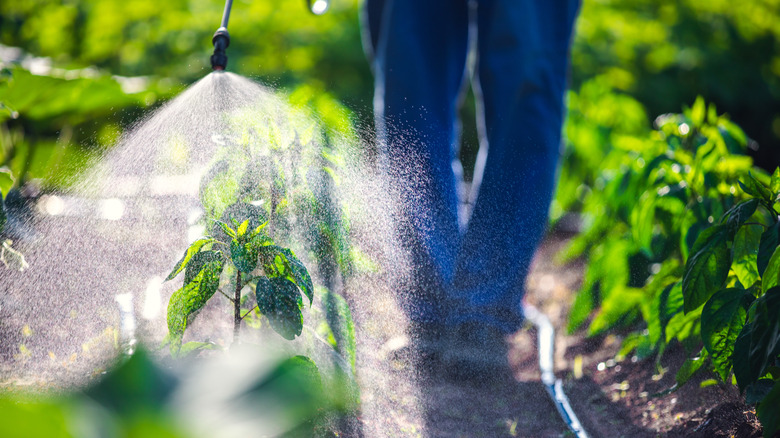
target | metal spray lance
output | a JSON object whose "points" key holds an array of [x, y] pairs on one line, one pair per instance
{"points": [[221, 38]]}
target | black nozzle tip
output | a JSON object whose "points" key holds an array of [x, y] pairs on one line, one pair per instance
{"points": [[221, 41]]}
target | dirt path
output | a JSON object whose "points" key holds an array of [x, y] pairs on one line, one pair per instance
{"points": [[611, 399]]}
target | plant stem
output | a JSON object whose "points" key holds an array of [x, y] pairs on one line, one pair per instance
{"points": [[225, 295], [249, 311], [237, 309]]}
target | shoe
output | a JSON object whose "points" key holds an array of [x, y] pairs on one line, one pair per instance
{"points": [[475, 352]]}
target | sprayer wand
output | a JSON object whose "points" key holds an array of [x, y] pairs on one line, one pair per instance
{"points": [[221, 40]]}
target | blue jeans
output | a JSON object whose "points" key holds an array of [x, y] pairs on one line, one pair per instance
{"points": [[419, 54]]}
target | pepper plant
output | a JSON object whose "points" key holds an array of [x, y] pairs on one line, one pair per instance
{"points": [[680, 240], [239, 246], [733, 275]]}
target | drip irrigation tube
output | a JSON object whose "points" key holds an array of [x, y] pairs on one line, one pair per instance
{"points": [[554, 386]]}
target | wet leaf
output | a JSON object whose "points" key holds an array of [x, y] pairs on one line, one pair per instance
{"points": [[188, 254], [200, 260], [300, 275], [243, 255], [239, 212], [191, 298], [339, 319], [280, 301], [282, 262]]}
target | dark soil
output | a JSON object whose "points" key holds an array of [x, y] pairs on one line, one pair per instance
{"points": [[630, 397]]}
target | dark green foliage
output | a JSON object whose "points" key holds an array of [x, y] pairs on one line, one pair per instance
{"points": [[721, 321], [768, 411], [707, 268], [278, 287], [185, 302], [342, 328], [683, 231], [280, 301], [758, 345], [135, 385]]}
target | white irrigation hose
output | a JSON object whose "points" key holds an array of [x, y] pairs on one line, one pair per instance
{"points": [[554, 386]]}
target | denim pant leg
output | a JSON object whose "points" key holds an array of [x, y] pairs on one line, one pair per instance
{"points": [[523, 48], [419, 67]]}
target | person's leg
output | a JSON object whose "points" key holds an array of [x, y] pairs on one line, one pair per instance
{"points": [[523, 48], [419, 68]]}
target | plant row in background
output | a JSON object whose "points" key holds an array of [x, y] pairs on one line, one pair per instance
{"points": [[680, 231]]}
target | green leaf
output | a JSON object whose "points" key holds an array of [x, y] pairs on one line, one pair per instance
{"points": [[768, 411], [770, 240], [698, 112], [722, 319], [580, 310], [740, 357], [188, 254], [756, 392], [134, 386], [240, 212], [670, 303], [771, 277], [294, 390], [279, 300], [300, 275], [3, 214], [200, 260], [6, 182], [753, 187], [191, 298], [774, 184], [707, 269], [282, 262], [745, 253], [758, 344], [227, 231], [339, 319], [642, 221], [191, 348], [241, 230], [740, 213], [243, 255], [689, 368], [619, 307]]}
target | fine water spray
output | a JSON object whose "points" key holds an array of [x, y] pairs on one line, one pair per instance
{"points": [[221, 38]]}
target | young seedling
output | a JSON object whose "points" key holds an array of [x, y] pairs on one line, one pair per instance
{"points": [[239, 245]]}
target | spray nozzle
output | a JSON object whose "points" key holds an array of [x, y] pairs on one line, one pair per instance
{"points": [[221, 41]]}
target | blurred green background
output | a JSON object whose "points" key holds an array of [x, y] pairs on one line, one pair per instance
{"points": [[98, 64]]}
